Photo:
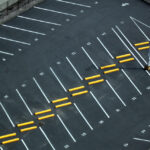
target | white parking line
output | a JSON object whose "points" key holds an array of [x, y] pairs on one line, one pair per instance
{"points": [[1, 148], [100, 105], [143, 140], [132, 47], [54, 11], [39, 87], [7, 115], [131, 82], [6, 53], [15, 41], [21, 29], [47, 138], [89, 57], [24, 101], [66, 129], [41, 21], [25, 145], [105, 48], [116, 93], [74, 68], [58, 79], [77, 4], [83, 116], [131, 44], [133, 19]]}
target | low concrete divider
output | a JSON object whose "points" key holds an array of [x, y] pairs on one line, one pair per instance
{"points": [[11, 8]]}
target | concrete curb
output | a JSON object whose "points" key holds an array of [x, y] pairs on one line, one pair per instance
{"points": [[19, 11]]}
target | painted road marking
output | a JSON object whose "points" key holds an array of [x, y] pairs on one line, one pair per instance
{"points": [[63, 105], [47, 138], [133, 19], [6, 53], [133, 49], [76, 88], [74, 68], [41, 21], [131, 82], [46, 117], [21, 29], [96, 82], [25, 145], [11, 141], [123, 56], [77, 4], [116, 93], [58, 79], [143, 140], [80, 93], [43, 112], [7, 115], [141, 44], [24, 102], [126, 60], [72, 137], [28, 129], [60, 100], [89, 57], [8, 135], [92, 77], [144, 48], [39, 87], [105, 48], [130, 45], [108, 66], [100, 105], [54, 11], [25, 124], [15, 41], [83, 116], [111, 71]]}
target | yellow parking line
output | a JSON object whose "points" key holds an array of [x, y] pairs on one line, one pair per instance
{"points": [[108, 66], [10, 141], [126, 60], [76, 88], [28, 129], [42, 112], [63, 105], [123, 56], [8, 135], [143, 48], [143, 43], [60, 100], [80, 93], [25, 124], [46, 117], [110, 71], [95, 82], [92, 77]]}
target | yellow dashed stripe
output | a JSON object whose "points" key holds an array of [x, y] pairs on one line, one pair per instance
{"points": [[63, 105], [95, 82], [42, 112], [126, 60], [143, 43], [80, 93], [123, 56], [93, 77], [110, 71], [10, 141], [28, 129], [60, 100], [25, 124], [46, 117], [8, 135], [108, 66], [76, 88]]}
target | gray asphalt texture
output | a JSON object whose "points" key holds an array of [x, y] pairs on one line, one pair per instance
{"points": [[49, 52]]}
